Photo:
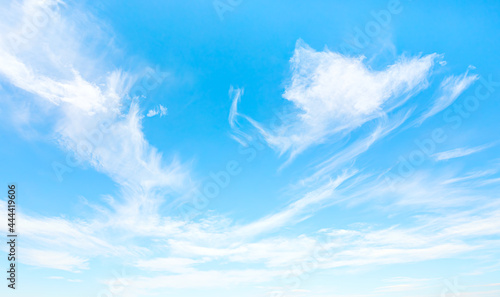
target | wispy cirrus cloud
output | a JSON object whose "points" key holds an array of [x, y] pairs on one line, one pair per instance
{"points": [[335, 94], [84, 95], [332, 95], [451, 88], [86, 100], [459, 152]]}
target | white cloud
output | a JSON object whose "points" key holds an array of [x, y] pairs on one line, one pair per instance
{"points": [[238, 135], [459, 152], [207, 279], [351, 152], [233, 112], [297, 210], [272, 252], [175, 265], [159, 110], [94, 119], [446, 237], [76, 91], [52, 259], [451, 88], [405, 284], [334, 94], [471, 176]]}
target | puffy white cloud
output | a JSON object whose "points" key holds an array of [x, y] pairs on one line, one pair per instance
{"points": [[334, 94]]}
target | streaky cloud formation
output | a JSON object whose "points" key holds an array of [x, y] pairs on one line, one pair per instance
{"points": [[451, 87], [459, 152]]}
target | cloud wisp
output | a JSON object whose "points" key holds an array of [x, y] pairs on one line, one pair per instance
{"points": [[459, 152], [451, 88]]}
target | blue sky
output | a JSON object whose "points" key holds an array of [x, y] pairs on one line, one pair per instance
{"points": [[252, 148]]}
